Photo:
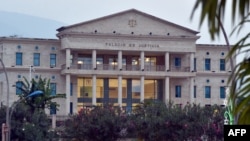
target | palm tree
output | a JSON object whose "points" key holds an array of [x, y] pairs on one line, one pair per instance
{"points": [[239, 81], [42, 101], [30, 121]]}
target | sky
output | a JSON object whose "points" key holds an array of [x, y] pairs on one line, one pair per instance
{"points": [[76, 11]]}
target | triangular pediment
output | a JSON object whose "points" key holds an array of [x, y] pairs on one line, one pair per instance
{"points": [[129, 22]]}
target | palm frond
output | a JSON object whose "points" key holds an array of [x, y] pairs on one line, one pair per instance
{"points": [[39, 101]]}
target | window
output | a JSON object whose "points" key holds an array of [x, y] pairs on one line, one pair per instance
{"points": [[207, 64], [178, 91], [36, 59], [84, 62], [52, 60], [71, 89], [53, 88], [136, 63], [71, 59], [71, 108], [222, 65], [222, 92], [53, 77], [150, 63], [19, 58], [19, 47], [136, 88], [99, 61], [53, 48], [207, 91], [194, 91], [36, 48], [177, 62], [52, 109], [194, 64], [19, 85], [113, 64]]}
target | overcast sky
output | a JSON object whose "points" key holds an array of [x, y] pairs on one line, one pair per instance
{"points": [[75, 11]]}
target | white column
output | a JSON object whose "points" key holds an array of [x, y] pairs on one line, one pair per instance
{"points": [[120, 90], [142, 89], [192, 61], [191, 90], [119, 59], [93, 59], [67, 58], [167, 60], [167, 91], [94, 90], [142, 60], [67, 94], [53, 121], [3, 131]]}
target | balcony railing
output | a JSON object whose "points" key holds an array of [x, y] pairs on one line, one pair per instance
{"points": [[179, 69], [128, 67]]}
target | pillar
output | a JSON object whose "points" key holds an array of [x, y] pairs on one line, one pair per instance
{"points": [[191, 90], [142, 60], [93, 59], [119, 59], [142, 89], [94, 90], [167, 90], [120, 90], [67, 94], [67, 58], [192, 61], [53, 121], [3, 131], [167, 61]]}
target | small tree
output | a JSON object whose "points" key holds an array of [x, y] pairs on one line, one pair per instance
{"points": [[98, 124], [29, 126], [149, 120], [29, 121]]}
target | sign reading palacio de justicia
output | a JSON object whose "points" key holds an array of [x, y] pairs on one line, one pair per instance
{"points": [[132, 45]]}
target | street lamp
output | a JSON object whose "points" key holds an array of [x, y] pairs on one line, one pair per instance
{"points": [[8, 131], [35, 93], [8, 96]]}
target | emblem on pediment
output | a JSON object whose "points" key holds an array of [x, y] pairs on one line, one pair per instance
{"points": [[132, 22]]}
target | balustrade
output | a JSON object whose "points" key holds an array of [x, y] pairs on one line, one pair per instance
{"points": [[128, 67]]}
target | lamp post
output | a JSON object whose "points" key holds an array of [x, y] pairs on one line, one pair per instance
{"points": [[228, 113], [30, 74], [35, 93], [8, 96]]}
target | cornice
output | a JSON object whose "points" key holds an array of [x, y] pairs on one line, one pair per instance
{"points": [[28, 40], [126, 36]]}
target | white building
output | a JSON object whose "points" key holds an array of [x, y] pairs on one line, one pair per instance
{"points": [[100, 61]]}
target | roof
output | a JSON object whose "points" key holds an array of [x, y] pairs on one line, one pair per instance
{"points": [[128, 11]]}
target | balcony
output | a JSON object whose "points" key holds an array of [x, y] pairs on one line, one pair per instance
{"points": [[110, 67]]}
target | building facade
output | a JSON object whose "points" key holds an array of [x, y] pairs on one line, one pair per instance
{"points": [[121, 59]]}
